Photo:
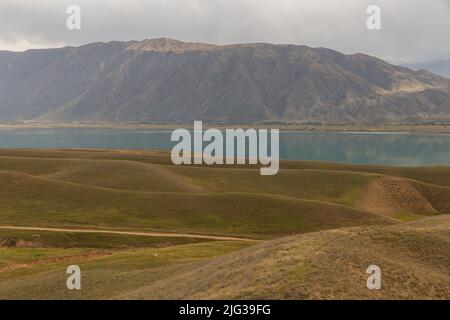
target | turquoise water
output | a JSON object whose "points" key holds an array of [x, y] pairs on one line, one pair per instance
{"points": [[365, 148]]}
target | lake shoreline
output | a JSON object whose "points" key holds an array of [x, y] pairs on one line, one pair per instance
{"points": [[382, 148], [394, 128]]}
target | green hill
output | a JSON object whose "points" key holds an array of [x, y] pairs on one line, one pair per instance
{"points": [[321, 225]]}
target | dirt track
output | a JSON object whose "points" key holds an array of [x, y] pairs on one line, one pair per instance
{"points": [[132, 233]]}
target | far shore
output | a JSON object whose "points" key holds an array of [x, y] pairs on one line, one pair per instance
{"points": [[406, 128]]}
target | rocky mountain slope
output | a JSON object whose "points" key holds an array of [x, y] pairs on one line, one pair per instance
{"points": [[164, 80]]}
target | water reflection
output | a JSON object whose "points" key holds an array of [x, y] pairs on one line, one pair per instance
{"points": [[379, 148], [365, 148]]}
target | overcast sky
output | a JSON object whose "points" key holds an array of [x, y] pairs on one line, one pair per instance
{"points": [[412, 30]]}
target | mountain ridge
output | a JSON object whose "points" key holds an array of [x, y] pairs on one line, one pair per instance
{"points": [[166, 80], [440, 67]]}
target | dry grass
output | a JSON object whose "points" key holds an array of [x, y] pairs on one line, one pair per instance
{"points": [[341, 218], [332, 264]]}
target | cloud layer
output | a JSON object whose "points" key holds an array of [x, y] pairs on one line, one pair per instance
{"points": [[412, 30]]}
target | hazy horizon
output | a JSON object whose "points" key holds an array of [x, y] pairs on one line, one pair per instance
{"points": [[410, 32]]}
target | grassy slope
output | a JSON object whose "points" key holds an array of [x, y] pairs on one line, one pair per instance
{"points": [[438, 175], [331, 264], [117, 193], [24, 203], [40, 273], [140, 190], [51, 240], [328, 264]]}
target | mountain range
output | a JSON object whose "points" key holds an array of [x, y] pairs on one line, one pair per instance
{"points": [[165, 80], [440, 67]]}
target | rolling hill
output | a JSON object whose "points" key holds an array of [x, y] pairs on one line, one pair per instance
{"points": [[147, 196], [140, 227], [164, 80], [413, 257], [322, 265]]}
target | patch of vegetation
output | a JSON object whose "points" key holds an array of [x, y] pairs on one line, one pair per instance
{"points": [[46, 239], [40, 273], [406, 216]]}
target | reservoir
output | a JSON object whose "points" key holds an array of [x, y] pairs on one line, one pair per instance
{"points": [[399, 149]]}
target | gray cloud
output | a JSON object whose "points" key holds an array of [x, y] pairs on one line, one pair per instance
{"points": [[412, 30]]}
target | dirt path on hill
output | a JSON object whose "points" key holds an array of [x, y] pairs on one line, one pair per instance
{"points": [[132, 233]]}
